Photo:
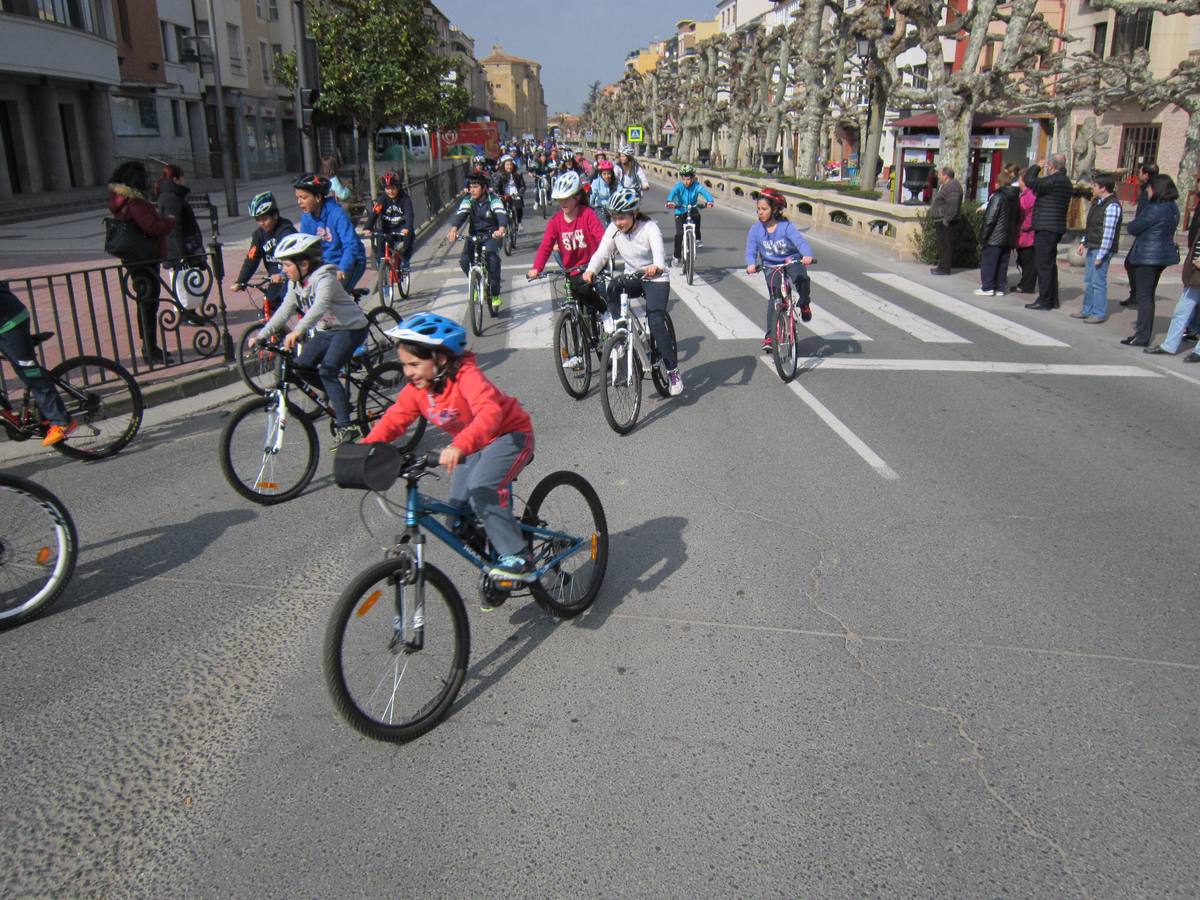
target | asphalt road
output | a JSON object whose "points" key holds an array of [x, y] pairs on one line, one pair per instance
{"points": [[922, 623]]}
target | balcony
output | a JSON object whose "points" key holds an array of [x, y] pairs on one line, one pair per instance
{"points": [[33, 47]]}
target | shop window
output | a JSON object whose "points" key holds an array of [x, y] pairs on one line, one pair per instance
{"points": [[1131, 31], [134, 116], [1139, 144]]}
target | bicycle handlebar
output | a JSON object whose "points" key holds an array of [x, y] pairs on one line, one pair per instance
{"points": [[787, 262]]}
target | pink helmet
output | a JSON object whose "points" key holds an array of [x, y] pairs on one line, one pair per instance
{"points": [[605, 165]]}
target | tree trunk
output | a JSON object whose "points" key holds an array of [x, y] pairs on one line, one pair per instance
{"points": [[956, 139], [370, 186], [1189, 162], [869, 152]]}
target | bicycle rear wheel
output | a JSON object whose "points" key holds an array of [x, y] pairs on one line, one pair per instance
{"points": [[259, 367], [393, 671], [572, 357], [658, 372], [38, 548], [785, 350], [476, 298], [564, 514], [377, 393], [104, 401], [254, 465], [621, 393], [689, 255], [379, 345]]}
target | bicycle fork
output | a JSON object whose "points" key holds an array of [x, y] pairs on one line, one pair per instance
{"points": [[414, 624]]}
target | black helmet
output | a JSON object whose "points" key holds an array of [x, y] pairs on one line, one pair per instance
{"points": [[314, 184]]}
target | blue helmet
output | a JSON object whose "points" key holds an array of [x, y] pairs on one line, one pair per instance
{"points": [[431, 330]]}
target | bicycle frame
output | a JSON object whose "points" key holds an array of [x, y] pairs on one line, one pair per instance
{"points": [[630, 324]]}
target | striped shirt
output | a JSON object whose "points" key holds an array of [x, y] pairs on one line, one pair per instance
{"points": [[1112, 216]]}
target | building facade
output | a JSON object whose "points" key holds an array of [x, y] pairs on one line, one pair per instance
{"points": [[516, 88]]}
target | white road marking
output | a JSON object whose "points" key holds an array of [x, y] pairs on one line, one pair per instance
{"points": [[528, 315], [824, 324], [862, 364], [853, 441], [981, 317], [921, 329], [716, 313], [1179, 375]]}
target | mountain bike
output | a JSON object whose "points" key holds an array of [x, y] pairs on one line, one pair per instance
{"points": [[398, 641], [477, 283], [627, 354], [510, 231], [38, 548], [258, 364], [576, 337], [394, 281], [689, 241], [543, 193], [785, 347], [254, 458], [100, 396]]}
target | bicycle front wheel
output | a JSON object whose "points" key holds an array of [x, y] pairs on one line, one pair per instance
{"points": [[689, 255], [785, 351], [510, 239], [385, 282], [377, 393], [658, 372], [38, 548], [572, 358], [542, 203], [621, 395], [379, 345], [255, 459], [567, 529], [393, 669], [404, 282], [257, 366], [104, 401]]}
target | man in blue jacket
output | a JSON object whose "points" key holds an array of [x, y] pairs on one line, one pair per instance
{"points": [[325, 218], [686, 193]]}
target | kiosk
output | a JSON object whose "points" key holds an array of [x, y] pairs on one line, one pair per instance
{"points": [[992, 141]]}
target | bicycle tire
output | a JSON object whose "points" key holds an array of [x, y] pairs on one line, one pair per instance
{"points": [[264, 484], [446, 649], [622, 407], [34, 569], [259, 369], [542, 202], [556, 504], [383, 281], [569, 341], [404, 283], [104, 400], [379, 345], [689, 255], [375, 396], [510, 239], [476, 299], [658, 371], [785, 350]]}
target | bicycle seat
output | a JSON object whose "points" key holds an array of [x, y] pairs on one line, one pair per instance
{"points": [[39, 337], [359, 293]]}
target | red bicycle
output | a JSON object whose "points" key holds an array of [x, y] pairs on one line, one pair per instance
{"points": [[785, 347], [394, 279]]}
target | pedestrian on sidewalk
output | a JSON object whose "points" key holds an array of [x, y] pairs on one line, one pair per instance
{"points": [[998, 234], [1053, 192], [944, 213], [128, 202], [1144, 173], [185, 243], [1101, 239], [1152, 251], [1183, 320], [1028, 282]]}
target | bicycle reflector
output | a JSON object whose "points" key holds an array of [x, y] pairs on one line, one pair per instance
{"points": [[365, 606]]}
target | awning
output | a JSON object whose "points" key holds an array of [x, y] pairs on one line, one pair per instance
{"points": [[930, 120]]}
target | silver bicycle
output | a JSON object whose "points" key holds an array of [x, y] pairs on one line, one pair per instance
{"points": [[628, 353]]}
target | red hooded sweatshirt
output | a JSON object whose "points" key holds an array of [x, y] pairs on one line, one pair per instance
{"points": [[470, 408], [576, 241]]}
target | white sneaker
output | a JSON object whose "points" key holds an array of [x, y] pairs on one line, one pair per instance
{"points": [[607, 323], [675, 263], [674, 382], [1001, 294], [573, 362], [980, 292]]}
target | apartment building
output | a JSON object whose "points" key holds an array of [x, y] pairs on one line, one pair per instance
{"points": [[470, 73], [516, 87]]}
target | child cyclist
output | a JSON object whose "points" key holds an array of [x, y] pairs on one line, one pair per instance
{"points": [[776, 240], [272, 228], [391, 216], [491, 434], [639, 241], [483, 214], [326, 219], [16, 343], [686, 193], [338, 325]]}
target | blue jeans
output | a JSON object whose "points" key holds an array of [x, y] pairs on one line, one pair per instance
{"points": [[327, 351], [1179, 322], [354, 273], [1095, 286]]}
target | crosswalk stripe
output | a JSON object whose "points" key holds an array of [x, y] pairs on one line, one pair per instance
{"points": [[921, 329], [861, 364], [955, 307], [529, 318], [716, 313], [824, 323]]}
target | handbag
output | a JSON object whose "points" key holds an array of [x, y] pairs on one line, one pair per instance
{"points": [[124, 240], [1191, 267]]}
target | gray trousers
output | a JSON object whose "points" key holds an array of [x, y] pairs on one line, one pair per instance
{"points": [[483, 480]]}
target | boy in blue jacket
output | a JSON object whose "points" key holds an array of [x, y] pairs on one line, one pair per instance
{"points": [[776, 240], [325, 218], [687, 192]]}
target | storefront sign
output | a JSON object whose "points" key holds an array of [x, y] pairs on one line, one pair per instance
{"points": [[914, 156], [990, 141], [268, 112], [928, 141]]}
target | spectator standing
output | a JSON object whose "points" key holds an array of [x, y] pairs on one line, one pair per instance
{"points": [[1153, 250], [998, 235], [1053, 191], [944, 213], [185, 243], [1101, 239], [1028, 282], [1144, 173], [127, 201]]}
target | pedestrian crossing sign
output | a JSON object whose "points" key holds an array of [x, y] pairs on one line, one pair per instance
{"points": [[635, 134]]}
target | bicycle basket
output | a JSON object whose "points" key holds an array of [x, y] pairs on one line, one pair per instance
{"points": [[366, 467]]}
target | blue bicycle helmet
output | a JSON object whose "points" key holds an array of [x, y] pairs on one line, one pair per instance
{"points": [[431, 330]]}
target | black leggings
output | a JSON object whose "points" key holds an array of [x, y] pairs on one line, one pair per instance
{"points": [[680, 221], [657, 294], [587, 294]]}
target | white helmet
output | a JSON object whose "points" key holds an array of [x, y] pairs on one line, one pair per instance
{"points": [[565, 185], [625, 200], [299, 245], [627, 150]]}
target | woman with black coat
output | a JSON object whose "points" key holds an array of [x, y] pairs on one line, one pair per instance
{"points": [[1153, 250], [998, 234]]}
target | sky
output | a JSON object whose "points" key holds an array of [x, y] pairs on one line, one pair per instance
{"points": [[576, 41]]}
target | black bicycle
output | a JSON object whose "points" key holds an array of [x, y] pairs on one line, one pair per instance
{"points": [[38, 548]]}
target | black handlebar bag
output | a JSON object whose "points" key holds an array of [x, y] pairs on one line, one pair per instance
{"points": [[366, 467]]}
